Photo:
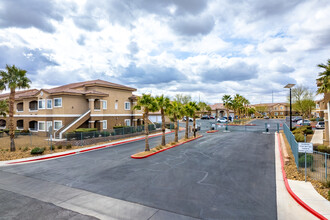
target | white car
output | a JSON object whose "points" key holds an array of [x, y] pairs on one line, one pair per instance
{"points": [[320, 125], [306, 122], [222, 120]]}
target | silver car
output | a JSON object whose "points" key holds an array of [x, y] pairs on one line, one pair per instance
{"points": [[320, 125]]}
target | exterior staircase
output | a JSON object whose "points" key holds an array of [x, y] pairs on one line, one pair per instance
{"points": [[73, 125]]}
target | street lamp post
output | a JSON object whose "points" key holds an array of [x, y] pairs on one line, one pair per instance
{"points": [[289, 86]]}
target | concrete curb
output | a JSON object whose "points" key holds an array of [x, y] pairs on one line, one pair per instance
{"points": [[287, 186], [74, 152], [135, 157]]}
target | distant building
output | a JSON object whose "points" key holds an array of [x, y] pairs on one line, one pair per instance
{"points": [[279, 109], [219, 110]]}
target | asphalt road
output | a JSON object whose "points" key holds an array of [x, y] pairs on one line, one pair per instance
{"points": [[219, 176]]}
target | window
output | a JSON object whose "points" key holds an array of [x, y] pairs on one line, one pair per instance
{"points": [[317, 106], [104, 104], [281, 107], [49, 103], [127, 106], [105, 126], [41, 126], [116, 104], [57, 125], [275, 108], [281, 113], [58, 102], [41, 104], [276, 113], [127, 122], [48, 125]]}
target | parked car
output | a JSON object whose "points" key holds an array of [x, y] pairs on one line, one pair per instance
{"points": [[306, 122], [190, 119], [266, 117], [212, 117], [230, 118], [222, 120], [205, 117], [320, 125]]}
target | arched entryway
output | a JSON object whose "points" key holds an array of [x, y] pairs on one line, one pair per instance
{"points": [[33, 126], [2, 124], [20, 124]]}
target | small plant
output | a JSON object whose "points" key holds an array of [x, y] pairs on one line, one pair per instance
{"points": [[299, 137], [52, 147], [329, 195], [25, 149], [59, 147], [327, 184], [37, 150], [309, 160], [69, 146]]}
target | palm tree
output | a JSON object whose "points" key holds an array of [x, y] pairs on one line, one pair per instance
{"points": [[3, 108], [149, 104], [194, 109], [324, 79], [12, 79], [175, 111], [163, 104], [188, 112], [227, 102]]}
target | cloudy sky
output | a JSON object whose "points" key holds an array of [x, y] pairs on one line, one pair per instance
{"points": [[205, 48]]}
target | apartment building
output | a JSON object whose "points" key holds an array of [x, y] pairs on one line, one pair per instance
{"points": [[318, 112], [91, 104], [280, 109], [218, 110]]}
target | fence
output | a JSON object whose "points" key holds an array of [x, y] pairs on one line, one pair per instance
{"points": [[317, 163]]}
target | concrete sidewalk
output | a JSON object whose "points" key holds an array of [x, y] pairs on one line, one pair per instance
{"points": [[306, 192], [287, 207], [317, 137]]}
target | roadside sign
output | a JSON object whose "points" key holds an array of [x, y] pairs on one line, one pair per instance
{"points": [[305, 148]]}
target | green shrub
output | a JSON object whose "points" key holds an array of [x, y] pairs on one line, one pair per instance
{"points": [[120, 126], [309, 131], [327, 184], [321, 119], [52, 147], [25, 149], [299, 137], [59, 147], [69, 146], [37, 150], [329, 195], [323, 148], [85, 129], [309, 160], [312, 119]]}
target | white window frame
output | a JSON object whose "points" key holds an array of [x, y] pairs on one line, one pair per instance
{"points": [[51, 103], [55, 123], [43, 102], [281, 113], [116, 104], [105, 124], [41, 122], [55, 102], [127, 120], [276, 113], [104, 104], [47, 125], [129, 106]]}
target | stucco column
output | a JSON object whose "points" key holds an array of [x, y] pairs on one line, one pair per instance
{"points": [[91, 104], [91, 124]]}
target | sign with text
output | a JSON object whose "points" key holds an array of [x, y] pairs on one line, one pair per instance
{"points": [[305, 147]]}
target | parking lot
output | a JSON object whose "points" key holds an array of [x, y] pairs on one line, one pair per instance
{"points": [[219, 176]]}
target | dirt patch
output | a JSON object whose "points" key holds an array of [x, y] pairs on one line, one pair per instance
{"points": [[292, 172]]}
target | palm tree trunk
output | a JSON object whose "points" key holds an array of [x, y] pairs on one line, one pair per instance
{"points": [[11, 119], [163, 127], [227, 114], [176, 128], [187, 125], [194, 125], [146, 123]]}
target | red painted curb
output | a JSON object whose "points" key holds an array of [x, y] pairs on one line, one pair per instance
{"points": [[287, 186], [83, 151], [134, 157], [212, 131]]}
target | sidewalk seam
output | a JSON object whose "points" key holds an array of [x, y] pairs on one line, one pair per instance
{"points": [[287, 186]]}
